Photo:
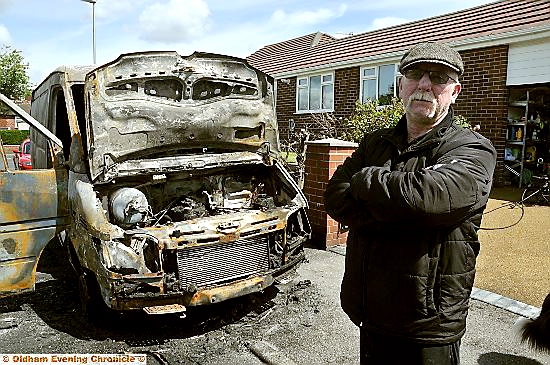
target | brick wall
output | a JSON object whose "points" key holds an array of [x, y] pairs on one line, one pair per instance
{"points": [[7, 122], [346, 93], [286, 108], [322, 159], [484, 97], [286, 105]]}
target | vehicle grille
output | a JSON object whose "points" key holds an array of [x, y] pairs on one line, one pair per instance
{"points": [[204, 265]]}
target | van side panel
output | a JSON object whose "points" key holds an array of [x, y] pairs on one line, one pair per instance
{"points": [[40, 110]]}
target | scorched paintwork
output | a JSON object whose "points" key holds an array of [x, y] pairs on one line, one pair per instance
{"points": [[33, 209]]}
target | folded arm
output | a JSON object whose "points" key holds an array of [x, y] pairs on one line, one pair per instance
{"points": [[452, 189]]}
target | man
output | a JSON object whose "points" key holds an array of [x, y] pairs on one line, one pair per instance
{"points": [[413, 197]]}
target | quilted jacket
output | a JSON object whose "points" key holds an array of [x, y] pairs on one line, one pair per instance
{"points": [[413, 210]]}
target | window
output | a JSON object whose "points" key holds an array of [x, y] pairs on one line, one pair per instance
{"points": [[315, 93], [379, 83]]}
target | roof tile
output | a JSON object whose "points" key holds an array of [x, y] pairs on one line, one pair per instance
{"points": [[319, 49]]}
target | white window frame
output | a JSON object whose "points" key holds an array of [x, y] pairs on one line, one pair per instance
{"points": [[362, 78], [306, 87]]}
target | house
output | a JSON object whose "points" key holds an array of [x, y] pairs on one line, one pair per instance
{"points": [[505, 46]]}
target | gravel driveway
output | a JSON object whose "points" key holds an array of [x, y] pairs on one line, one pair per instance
{"points": [[515, 261]]}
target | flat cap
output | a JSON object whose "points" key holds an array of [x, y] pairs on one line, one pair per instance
{"points": [[432, 52]]}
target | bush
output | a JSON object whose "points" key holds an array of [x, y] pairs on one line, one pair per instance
{"points": [[371, 116], [13, 137]]}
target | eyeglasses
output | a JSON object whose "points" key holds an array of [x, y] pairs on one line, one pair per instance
{"points": [[436, 77]]}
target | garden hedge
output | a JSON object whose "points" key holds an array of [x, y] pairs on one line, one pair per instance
{"points": [[13, 137]]}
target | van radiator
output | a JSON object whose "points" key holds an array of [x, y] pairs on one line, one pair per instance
{"points": [[209, 264]]}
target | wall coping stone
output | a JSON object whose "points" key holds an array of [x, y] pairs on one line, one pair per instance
{"points": [[332, 142]]}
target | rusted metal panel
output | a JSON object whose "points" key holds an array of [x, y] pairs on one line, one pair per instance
{"points": [[188, 203], [233, 290], [205, 296], [33, 208]]}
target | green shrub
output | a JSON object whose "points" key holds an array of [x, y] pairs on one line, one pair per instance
{"points": [[369, 117], [13, 137], [290, 157]]}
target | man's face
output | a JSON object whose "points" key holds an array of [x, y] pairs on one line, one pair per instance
{"points": [[426, 93]]}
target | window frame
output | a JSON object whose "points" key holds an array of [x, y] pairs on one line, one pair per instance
{"points": [[307, 86], [396, 76]]}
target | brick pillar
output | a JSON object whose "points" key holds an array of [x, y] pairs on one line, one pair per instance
{"points": [[322, 158]]}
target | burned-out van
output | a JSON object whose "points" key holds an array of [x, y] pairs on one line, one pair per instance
{"points": [[169, 184]]}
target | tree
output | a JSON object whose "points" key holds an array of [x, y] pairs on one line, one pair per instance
{"points": [[14, 81]]}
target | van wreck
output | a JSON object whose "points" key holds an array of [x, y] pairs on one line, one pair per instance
{"points": [[177, 194]]}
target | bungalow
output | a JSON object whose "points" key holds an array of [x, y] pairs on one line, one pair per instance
{"points": [[505, 46]]}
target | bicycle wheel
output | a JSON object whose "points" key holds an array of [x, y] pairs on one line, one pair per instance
{"points": [[534, 195], [545, 193]]}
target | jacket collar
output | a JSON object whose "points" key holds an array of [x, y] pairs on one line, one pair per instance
{"points": [[399, 134]]}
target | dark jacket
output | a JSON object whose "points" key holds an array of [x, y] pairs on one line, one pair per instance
{"points": [[413, 212]]}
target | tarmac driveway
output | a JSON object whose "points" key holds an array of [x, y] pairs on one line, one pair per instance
{"points": [[298, 322]]}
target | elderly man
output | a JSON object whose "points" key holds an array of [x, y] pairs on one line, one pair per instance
{"points": [[413, 197]]}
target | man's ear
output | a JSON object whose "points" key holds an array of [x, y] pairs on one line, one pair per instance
{"points": [[456, 91], [399, 80]]}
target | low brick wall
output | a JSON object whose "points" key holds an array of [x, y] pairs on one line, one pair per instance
{"points": [[322, 159]]}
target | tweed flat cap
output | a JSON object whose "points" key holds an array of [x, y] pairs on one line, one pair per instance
{"points": [[432, 52]]}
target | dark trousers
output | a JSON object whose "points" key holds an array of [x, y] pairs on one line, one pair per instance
{"points": [[377, 350]]}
